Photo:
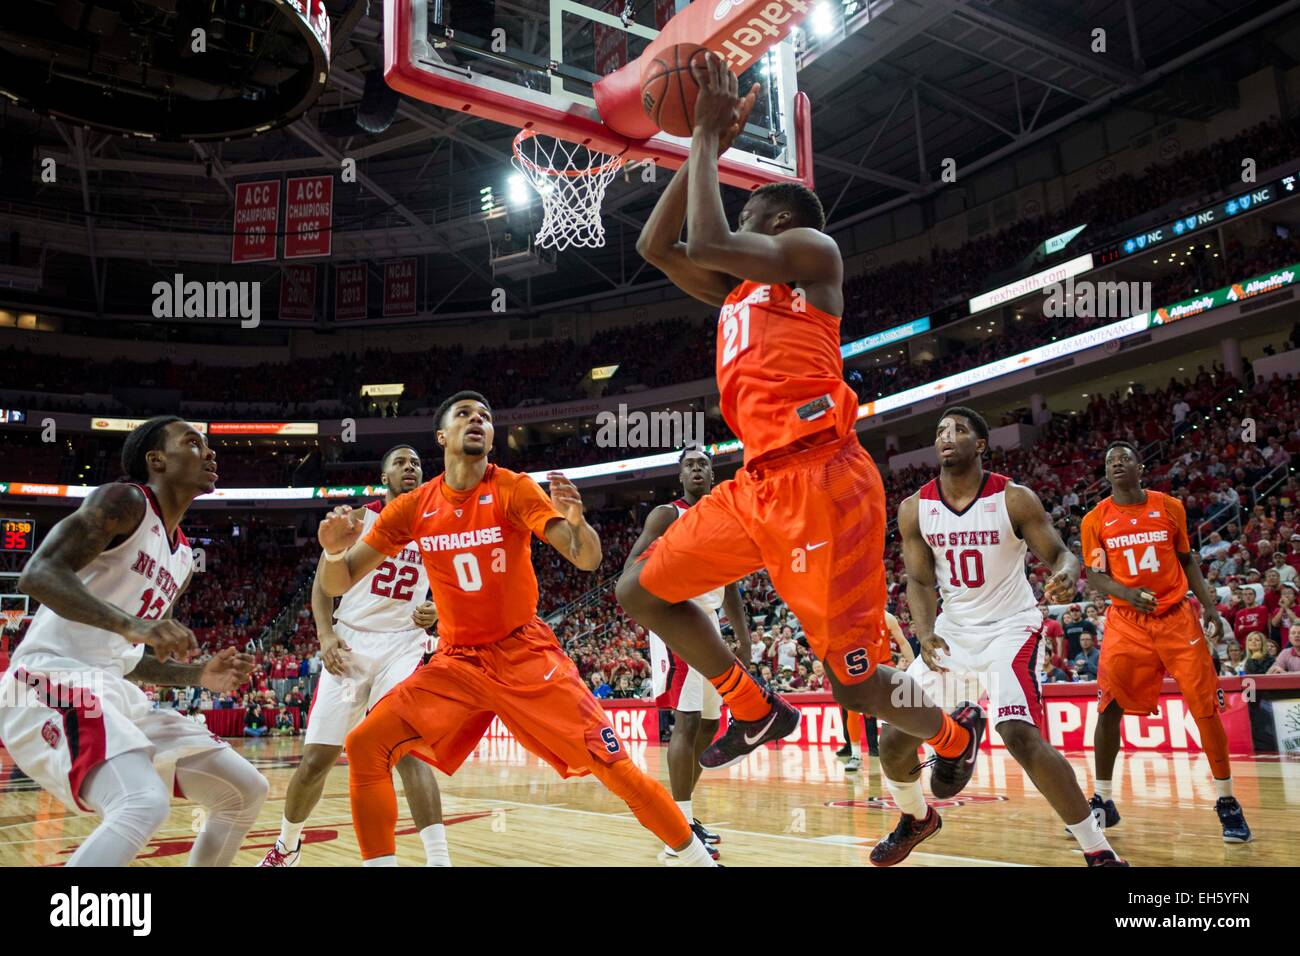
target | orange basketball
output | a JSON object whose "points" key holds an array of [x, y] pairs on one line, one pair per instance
{"points": [[668, 89]]}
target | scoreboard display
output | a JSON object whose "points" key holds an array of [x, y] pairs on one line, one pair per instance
{"points": [[17, 534]]}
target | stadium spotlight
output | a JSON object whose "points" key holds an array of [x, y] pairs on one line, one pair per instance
{"points": [[518, 190], [485, 199], [823, 20]]}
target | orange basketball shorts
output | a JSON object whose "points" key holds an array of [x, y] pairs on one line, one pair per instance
{"points": [[815, 519], [1139, 649], [527, 681]]}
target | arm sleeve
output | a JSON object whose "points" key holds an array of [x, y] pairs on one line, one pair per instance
{"points": [[527, 506], [1178, 514], [393, 529]]}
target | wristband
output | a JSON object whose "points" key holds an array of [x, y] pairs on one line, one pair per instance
{"points": [[337, 556]]}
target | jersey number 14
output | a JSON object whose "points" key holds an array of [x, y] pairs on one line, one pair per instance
{"points": [[1148, 561]]}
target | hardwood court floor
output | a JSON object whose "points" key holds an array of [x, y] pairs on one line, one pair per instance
{"points": [[788, 807]]}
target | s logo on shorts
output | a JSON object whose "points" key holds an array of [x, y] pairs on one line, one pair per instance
{"points": [[611, 739], [1223, 702], [51, 733], [857, 662]]}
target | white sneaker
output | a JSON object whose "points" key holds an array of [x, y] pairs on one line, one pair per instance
{"points": [[853, 765], [276, 856]]}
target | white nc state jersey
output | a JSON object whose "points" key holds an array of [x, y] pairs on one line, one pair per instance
{"points": [[143, 576], [385, 599], [978, 558], [710, 600]]}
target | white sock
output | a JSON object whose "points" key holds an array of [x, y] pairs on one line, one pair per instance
{"points": [[290, 834], [435, 845], [909, 797], [1090, 836], [1223, 788], [1104, 789], [381, 861], [685, 807], [856, 748], [695, 854]]}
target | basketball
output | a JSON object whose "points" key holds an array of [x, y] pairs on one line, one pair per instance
{"points": [[668, 89]]}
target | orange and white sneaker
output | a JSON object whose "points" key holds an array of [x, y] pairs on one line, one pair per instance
{"points": [[277, 856]]}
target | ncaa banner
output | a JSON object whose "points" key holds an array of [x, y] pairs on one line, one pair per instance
{"points": [[257, 218], [399, 288], [298, 293], [350, 292]]}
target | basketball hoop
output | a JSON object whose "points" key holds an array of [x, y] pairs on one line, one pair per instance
{"points": [[13, 619], [571, 179]]}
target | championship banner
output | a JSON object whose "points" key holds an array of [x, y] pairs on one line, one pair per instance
{"points": [[298, 292], [611, 43], [309, 217], [264, 428], [399, 288], [257, 218], [350, 292], [664, 11]]}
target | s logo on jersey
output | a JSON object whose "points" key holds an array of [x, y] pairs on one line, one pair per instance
{"points": [[51, 733]]}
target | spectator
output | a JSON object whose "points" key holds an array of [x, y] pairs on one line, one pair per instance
{"points": [[284, 724], [1249, 618], [254, 722], [1054, 637], [1085, 662], [1258, 660], [758, 650], [1076, 624], [1216, 548], [599, 688], [1288, 662], [817, 680], [787, 650], [1049, 673], [1286, 573], [1233, 663]]}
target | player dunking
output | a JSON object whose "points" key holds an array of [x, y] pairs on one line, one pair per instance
{"points": [[967, 531], [809, 504], [107, 577], [695, 703], [473, 525], [377, 643], [1137, 551]]}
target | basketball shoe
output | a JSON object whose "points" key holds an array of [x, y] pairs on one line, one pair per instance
{"points": [[744, 736], [909, 832], [1235, 829], [951, 774], [276, 856]]}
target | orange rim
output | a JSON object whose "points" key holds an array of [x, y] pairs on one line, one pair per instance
{"points": [[614, 161]]}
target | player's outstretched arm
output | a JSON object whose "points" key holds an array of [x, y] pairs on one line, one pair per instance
{"points": [[573, 537], [660, 244], [656, 523], [223, 673], [922, 599], [347, 559], [110, 511], [1030, 520]]}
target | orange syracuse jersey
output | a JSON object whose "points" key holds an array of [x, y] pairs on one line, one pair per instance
{"points": [[476, 546], [1138, 545], [780, 374]]}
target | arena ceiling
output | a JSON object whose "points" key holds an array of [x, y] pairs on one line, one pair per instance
{"points": [[916, 82]]}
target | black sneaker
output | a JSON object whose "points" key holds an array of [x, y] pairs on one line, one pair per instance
{"points": [[951, 774], [1235, 829], [744, 736], [909, 832], [708, 836], [1104, 858], [845, 751], [1103, 812]]}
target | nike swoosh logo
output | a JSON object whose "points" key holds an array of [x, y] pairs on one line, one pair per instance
{"points": [[766, 727], [814, 547], [553, 670], [1195, 642], [1111, 522], [430, 514]]}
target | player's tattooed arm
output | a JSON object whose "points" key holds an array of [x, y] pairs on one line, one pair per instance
{"points": [[733, 606], [922, 599], [1196, 581], [1030, 521], [573, 537], [109, 512], [656, 523], [222, 673]]}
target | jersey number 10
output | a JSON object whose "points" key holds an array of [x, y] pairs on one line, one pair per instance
{"points": [[971, 566]]}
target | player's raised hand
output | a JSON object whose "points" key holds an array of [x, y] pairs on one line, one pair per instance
{"points": [[1060, 587], [226, 671], [565, 497], [1141, 599], [743, 109], [169, 639], [717, 103], [425, 616], [931, 645], [340, 529]]}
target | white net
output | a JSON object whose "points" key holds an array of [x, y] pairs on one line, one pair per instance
{"points": [[571, 180]]}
